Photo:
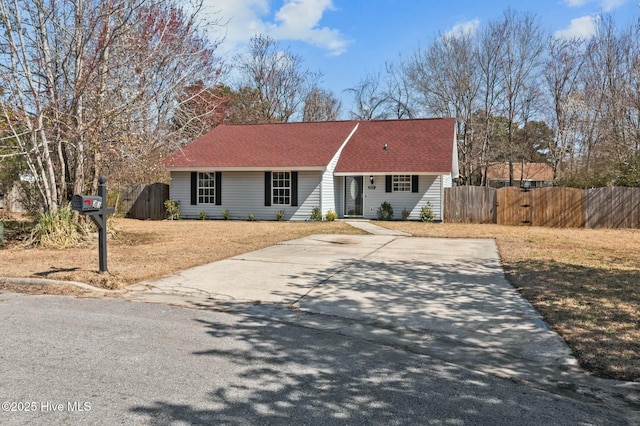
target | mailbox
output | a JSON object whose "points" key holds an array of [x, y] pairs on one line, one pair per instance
{"points": [[86, 203]]}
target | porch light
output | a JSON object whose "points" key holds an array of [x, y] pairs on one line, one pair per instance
{"points": [[371, 179]]}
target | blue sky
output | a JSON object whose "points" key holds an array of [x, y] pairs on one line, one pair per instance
{"points": [[346, 39]]}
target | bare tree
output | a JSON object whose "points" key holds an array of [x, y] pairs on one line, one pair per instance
{"points": [[561, 72], [503, 80], [604, 82], [89, 86], [519, 66], [490, 41], [321, 105], [370, 99], [273, 82], [446, 80], [400, 102], [201, 109]]}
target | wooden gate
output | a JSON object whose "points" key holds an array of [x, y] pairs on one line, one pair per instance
{"points": [[556, 207], [144, 201]]}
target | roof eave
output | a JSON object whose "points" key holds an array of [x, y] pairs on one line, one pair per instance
{"points": [[245, 169], [395, 172]]}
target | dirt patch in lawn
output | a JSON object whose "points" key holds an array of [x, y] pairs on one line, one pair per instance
{"points": [[146, 250], [584, 282]]}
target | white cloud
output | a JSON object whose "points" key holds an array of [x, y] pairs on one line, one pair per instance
{"points": [[606, 5], [463, 28], [243, 18], [576, 3], [295, 20], [609, 5], [582, 28]]}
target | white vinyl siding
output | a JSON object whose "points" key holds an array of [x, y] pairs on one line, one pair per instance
{"points": [[243, 193], [429, 190], [331, 192]]}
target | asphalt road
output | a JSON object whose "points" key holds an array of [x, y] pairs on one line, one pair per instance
{"points": [[88, 361]]}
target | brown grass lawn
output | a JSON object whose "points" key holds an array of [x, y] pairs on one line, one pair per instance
{"points": [[585, 283], [145, 250]]}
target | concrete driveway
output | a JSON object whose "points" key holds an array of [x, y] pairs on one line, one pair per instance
{"points": [[444, 298], [454, 289]]}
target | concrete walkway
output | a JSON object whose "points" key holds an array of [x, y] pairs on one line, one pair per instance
{"points": [[369, 227]]}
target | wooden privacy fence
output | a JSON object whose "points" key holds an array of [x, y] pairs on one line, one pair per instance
{"points": [[556, 207], [144, 201], [474, 204]]}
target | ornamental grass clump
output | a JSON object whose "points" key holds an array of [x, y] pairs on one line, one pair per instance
{"points": [[59, 228]]}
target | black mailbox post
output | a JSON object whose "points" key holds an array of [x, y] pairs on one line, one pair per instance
{"points": [[96, 209]]}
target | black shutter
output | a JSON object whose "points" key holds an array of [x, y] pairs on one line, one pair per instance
{"points": [[414, 183], [294, 188], [387, 183], [267, 188], [194, 188], [218, 188]]}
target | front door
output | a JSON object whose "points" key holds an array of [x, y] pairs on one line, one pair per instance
{"points": [[353, 196]]}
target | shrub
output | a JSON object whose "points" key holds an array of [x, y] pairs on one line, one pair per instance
{"points": [[59, 228], [173, 209], [226, 214], [405, 214], [427, 214], [316, 214], [385, 211], [202, 214], [251, 218], [279, 215], [331, 216]]}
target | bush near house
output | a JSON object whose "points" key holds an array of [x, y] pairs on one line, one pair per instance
{"points": [[173, 209], [316, 214], [427, 214], [385, 211]]}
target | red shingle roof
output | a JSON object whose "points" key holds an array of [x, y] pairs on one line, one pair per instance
{"points": [[264, 145], [413, 146], [421, 145], [532, 171]]}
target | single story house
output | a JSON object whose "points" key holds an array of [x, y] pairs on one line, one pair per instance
{"points": [[531, 175], [288, 169]]}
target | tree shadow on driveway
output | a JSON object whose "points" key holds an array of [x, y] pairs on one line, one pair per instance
{"points": [[268, 372], [469, 302]]}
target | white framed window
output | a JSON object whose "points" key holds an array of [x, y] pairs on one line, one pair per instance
{"points": [[281, 188], [401, 183], [206, 188]]}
